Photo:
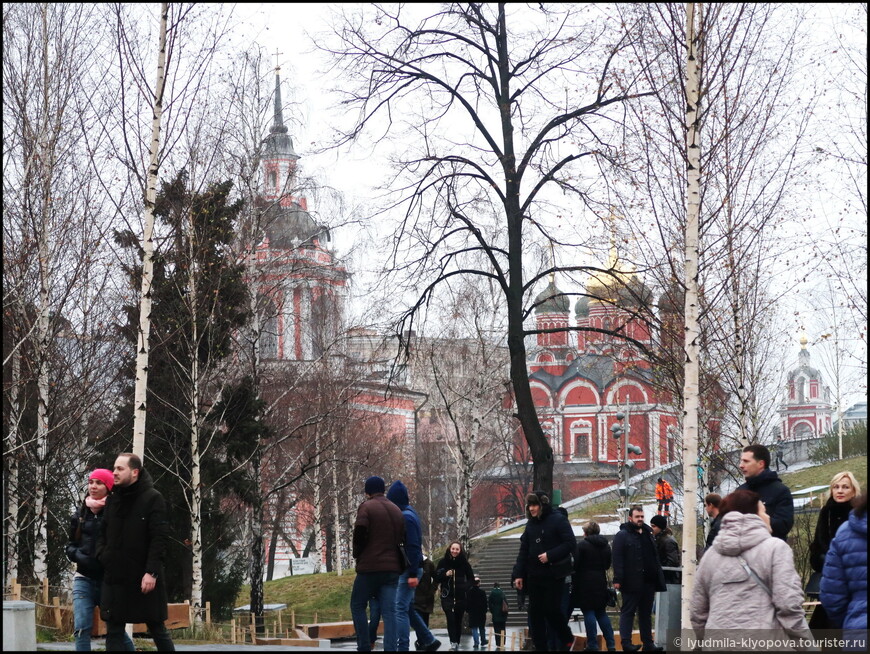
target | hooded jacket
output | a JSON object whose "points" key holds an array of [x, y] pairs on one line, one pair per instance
{"points": [[726, 596], [636, 559], [844, 577], [664, 491], [132, 542], [398, 495], [589, 581], [776, 498], [550, 532]]}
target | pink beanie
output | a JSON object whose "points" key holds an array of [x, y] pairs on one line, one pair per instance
{"points": [[104, 476]]}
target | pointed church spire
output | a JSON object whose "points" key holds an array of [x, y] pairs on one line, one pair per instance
{"points": [[278, 126], [278, 143]]}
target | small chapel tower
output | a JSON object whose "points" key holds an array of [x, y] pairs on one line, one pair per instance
{"points": [[806, 412]]}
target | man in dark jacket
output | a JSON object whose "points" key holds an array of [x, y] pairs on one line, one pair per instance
{"points": [[377, 532], [776, 497], [711, 506], [637, 574], [406, 616], [544, 560], [668, 548], [131, 547]]}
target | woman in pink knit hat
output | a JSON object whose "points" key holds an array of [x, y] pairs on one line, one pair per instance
{"points": [[81, 549]]}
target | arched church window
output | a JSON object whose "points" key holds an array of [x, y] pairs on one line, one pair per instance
{"points": [[581, 438], [268, 328]]}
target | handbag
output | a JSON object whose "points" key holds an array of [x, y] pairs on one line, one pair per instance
{"points": [[403, 557], [612, 597], [504, 607], [814, 583]]}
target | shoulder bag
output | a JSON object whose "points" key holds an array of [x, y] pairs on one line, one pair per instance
{"points": [[612, 597], [754, 576]]}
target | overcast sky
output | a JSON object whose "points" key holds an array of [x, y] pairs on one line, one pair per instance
{"points": [[289, 29]]}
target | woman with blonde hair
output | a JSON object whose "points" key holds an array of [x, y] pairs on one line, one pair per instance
{"points": [[748, 578], [844, 488]]}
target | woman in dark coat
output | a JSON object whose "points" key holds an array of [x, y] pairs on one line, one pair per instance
{"points": [[455, 575], [844, 488], [589, 588]]}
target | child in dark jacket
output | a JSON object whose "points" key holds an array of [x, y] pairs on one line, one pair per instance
{"points": [[476, 598]]}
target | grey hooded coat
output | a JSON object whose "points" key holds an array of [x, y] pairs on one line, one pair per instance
{"points": [[727, 598]]}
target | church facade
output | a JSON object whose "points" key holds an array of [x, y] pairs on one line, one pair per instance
{"points": [[806, 411]]}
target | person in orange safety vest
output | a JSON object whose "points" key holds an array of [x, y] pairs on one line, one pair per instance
{"points": [[664, 495]]}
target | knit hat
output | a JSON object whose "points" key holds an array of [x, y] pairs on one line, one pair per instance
{"points": [[660, 480], [659, 521], [104, 476], [375, 485]]}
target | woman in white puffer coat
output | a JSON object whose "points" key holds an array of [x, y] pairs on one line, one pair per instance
{"points": [[759, 597]]}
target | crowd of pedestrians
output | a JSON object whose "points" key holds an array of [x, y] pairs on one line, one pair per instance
{"points": [[746, 578]]}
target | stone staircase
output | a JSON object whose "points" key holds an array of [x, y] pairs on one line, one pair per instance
{"points": [[494, 563]]}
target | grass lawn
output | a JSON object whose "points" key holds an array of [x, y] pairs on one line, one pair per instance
{"points": [[325, 594], [821, 475]]}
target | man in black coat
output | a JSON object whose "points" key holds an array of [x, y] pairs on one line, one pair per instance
{"points": [[776, 497], [544, 560], [637, 574], [131, 547]]}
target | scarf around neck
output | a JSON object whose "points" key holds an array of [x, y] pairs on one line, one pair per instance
{"points": [[95, 505]]}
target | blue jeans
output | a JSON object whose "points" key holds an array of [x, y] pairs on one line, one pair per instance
{"points": [[479, 635], [593, 617], [383, 586], [407, 617], [117, 639], [86, 595]]}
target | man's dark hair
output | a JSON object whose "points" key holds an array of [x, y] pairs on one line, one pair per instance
{"points": [[634, 507], [133, 460], [760, 453], [713, 498]]}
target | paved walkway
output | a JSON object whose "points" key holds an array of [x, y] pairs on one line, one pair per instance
{"points": [[98, 645]]}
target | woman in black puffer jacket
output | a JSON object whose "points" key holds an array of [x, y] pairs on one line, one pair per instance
{"points": [[589, 588], [455, 575]]}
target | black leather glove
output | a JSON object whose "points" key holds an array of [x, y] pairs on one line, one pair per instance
{"points": [[71, 551]]}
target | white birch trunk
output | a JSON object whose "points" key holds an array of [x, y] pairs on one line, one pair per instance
{"points": [[336, 520], [43, 337], [141, 392], [12, 463], [692, 373], [195, 467], [317, 524]]}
